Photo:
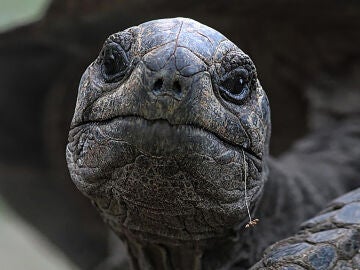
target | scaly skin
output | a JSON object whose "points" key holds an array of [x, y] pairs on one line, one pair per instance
{"points": [[171, 123], [330, 240]]}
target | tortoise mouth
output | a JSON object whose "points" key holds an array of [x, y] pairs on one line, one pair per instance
{"points": [[153, 130]]}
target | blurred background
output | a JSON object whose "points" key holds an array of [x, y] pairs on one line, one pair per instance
{"points": [[306, 52]]}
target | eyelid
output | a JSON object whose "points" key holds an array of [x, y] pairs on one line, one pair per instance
{"points": [[236, 72]]}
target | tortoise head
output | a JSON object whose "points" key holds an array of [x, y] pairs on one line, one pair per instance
{"points": [[170, 123]]}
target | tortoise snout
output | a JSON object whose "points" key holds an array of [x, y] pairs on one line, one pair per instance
{"points": [[169, 70]]}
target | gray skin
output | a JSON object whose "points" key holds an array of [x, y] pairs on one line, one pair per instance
{"points": [[171, 124]]}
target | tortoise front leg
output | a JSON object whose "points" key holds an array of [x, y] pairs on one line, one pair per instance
{"points": [[331, 240]]}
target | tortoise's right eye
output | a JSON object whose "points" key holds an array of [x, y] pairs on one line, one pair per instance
{"points": [[114, 63], [234, 87]]}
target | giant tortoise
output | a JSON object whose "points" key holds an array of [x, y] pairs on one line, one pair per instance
{"points": [[169, 140]]}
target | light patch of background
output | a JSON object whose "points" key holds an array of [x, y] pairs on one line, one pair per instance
{"points": [[21, 247], [18, 12]]}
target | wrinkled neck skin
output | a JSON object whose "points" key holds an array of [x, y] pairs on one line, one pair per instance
{"points": [[191, 256], [289, 198], [212, 254]]}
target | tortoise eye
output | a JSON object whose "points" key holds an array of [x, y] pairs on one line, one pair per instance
{"points": [[234, 87], [114, 64]]}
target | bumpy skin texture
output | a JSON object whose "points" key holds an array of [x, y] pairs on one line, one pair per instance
{"points": [[170, 124]]}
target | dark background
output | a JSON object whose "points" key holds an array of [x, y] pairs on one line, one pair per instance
{"points": [[297, 46]]}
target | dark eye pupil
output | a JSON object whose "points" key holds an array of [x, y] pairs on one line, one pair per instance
{"points": [[238, 87], [234, 85], [110, 65]]}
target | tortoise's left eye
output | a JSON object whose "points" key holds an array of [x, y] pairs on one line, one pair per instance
{"points": [[114, 63], [234, 86]]}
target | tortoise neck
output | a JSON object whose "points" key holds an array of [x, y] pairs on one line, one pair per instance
{"points": [[151, 256], [210, 255]]}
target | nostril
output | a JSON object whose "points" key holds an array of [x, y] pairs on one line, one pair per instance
{"points": [[158, 85], [177, 87]]}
